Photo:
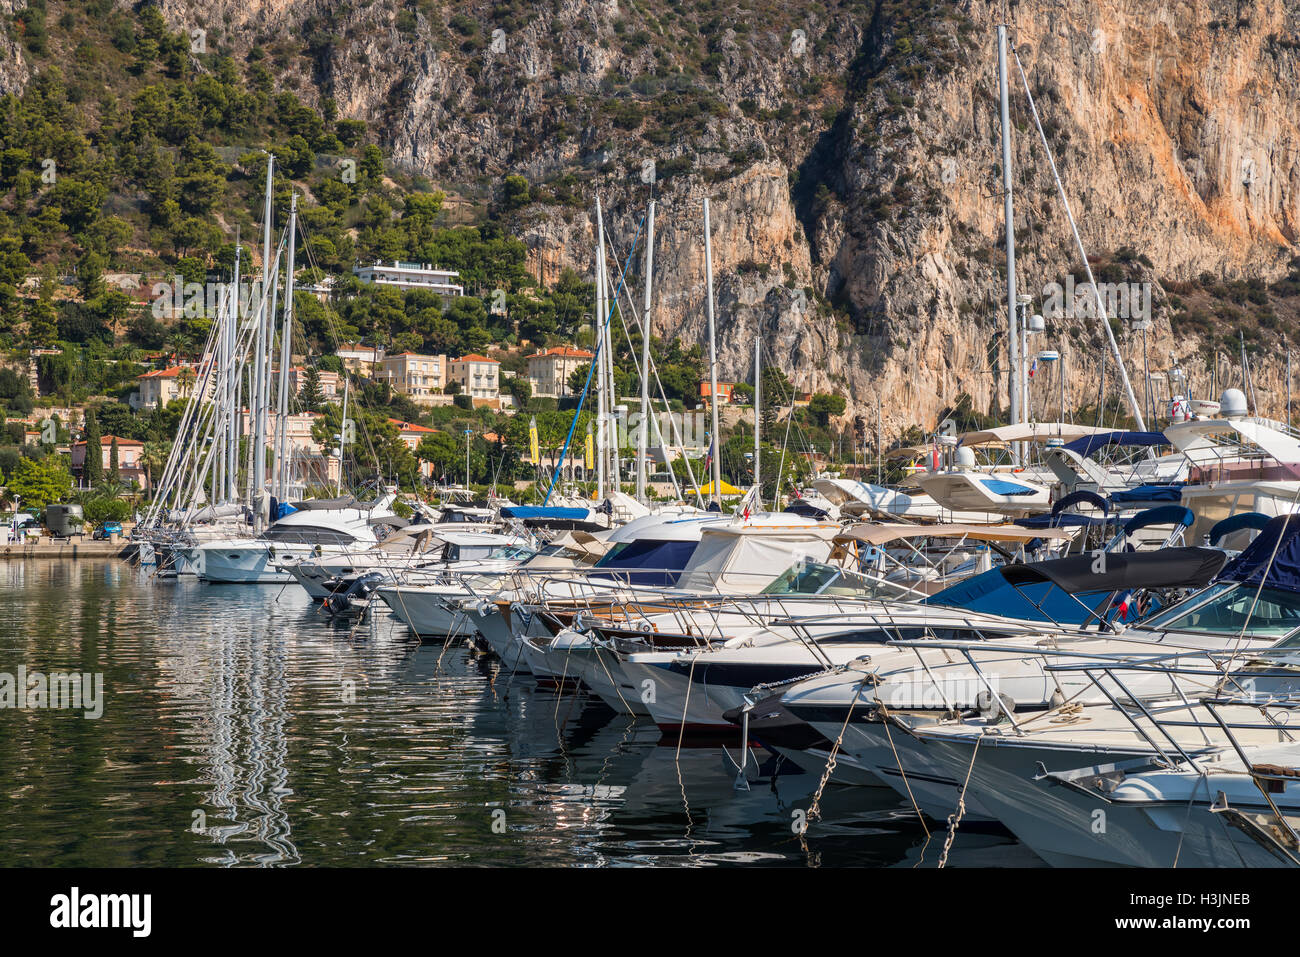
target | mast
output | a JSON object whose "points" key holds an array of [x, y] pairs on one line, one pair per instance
{"points": [[1134, 407], [713, 361], [286, 355], [643, 467], [222, 407], [343, 435], [758, 399], [602, 398], [1013, 349], [260, 398], [236, 419]]}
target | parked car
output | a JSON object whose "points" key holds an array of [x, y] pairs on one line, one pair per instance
{"points": [[104, 529]]}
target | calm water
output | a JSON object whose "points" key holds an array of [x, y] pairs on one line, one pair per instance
{"points": [[240, 728]]}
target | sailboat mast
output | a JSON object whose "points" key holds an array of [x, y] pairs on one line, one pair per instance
{"points": [[602, 397], [713, 360], [343, 435], [642, 436], [260, 396], [234, 422], [758, 401], [1013, 341], [286, 355]]}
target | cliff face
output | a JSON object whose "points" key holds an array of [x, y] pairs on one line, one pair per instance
{"points": [[850, 152]]}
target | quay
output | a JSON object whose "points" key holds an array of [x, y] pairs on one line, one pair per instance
{"points": [[66, 549]]}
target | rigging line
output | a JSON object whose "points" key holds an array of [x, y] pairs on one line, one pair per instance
{"points": [[681, 447], [334, 333], [591, 367]]}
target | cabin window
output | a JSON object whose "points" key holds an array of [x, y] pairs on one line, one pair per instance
{"points": [[1228, 608]]}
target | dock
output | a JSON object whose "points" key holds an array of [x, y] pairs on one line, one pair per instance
{"points": [[66, 549]]}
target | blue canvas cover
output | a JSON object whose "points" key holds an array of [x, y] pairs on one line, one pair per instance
{"points": [[1235, 523], [1272, 559], [1000, 487], [540, 511], [1083, 496], [1164, 515], [1147, 493], [990, 592], [1091, 443], [647, 561]]}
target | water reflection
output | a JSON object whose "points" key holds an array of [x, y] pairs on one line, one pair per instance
{"points": [[241, 728]]}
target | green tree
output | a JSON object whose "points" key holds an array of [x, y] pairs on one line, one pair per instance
{"points": [[37, 484], [309, 396], [824, 405], [92, 470], [114, 468]]}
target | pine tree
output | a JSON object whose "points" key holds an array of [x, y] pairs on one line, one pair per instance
{"points": [[92, 472], [309, 396], [114, 472]]}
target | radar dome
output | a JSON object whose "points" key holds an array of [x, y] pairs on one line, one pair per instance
{"points": [[1232, 404]]}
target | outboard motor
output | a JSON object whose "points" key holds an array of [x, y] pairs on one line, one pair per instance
{"points": [[356, 597]]}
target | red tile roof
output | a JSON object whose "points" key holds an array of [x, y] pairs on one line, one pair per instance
{"points": [[564, 352], [410, 426], [475, 357], [108, 440]]}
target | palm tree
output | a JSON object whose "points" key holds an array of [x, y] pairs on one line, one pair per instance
{"points": [[152, 456], [185, 379]]}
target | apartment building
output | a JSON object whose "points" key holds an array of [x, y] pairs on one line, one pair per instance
{"points": [[477, 375], [416, 376], [549, 370]]}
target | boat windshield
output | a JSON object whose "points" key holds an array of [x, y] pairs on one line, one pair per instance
{"points": [[513, 553], [814, 578], [1228, 608]]}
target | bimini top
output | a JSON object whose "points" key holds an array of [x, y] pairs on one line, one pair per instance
{"points": [[1272, 559], [1060, 518], [1186, 567], [884, 534], [1148, 493], [1029, 432], [1091, 443], [1067, 591]]}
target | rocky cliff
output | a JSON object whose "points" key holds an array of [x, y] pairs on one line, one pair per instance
{"points": [[850, 153]]}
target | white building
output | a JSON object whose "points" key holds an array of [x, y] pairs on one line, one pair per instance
{"points": [[357, 357], [402, 275], [477, 376], [549, 370], [417, 376]]}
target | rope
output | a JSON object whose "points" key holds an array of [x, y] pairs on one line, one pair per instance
{"points": [[884, 714], [954, 819], [814, 809], [681, 728]]}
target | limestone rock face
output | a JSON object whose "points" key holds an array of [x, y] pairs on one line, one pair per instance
{"points": [[851, 156]]}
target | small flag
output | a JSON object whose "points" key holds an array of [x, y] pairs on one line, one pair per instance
{"points": [[1124, 606], [1034, 367], [533, 446], [708, 456]]}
